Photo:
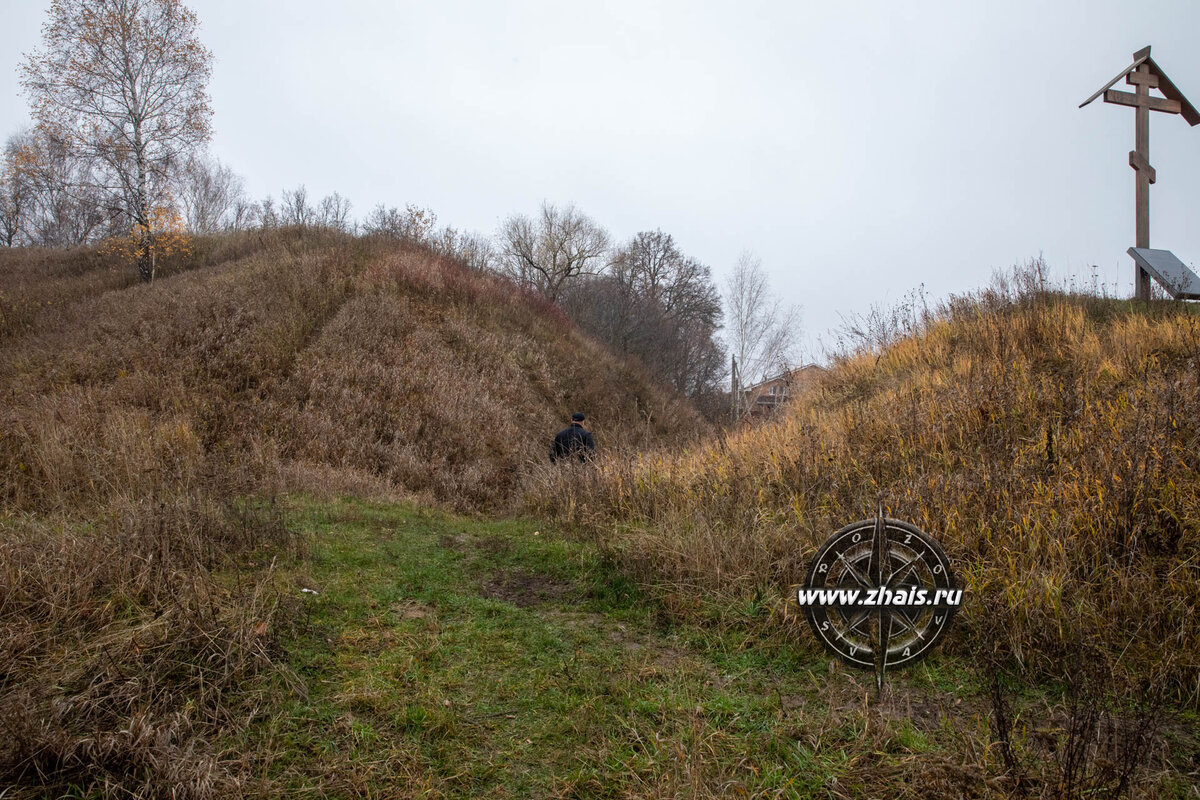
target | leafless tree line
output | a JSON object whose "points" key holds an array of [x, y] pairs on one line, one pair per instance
{"points": [[49, 197], [644, 298]]}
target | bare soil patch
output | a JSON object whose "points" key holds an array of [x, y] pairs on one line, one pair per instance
{"points": [[525, 589]]}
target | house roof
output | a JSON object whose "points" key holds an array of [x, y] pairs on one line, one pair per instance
{"points": [[787, 373], [1169, 90]]}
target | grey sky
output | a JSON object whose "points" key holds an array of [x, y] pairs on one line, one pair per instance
{"points": [[860, 148]]}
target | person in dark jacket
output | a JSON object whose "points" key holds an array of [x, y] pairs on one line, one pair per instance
{"points": [[573, 440]]}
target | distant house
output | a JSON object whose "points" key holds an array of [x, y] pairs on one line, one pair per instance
{"points": [[766, 397]]}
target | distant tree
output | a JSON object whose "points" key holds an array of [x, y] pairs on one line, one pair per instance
{"points": [[658, 305], [418, 223], [658, 272], [14, 199], [762, 330], [414, 224], [382, 221], [475, 251], [334, 212], [268, 217], [294, 208], [210, 192], [551, 250], [245, 214], [124, 84], [52, 192]]}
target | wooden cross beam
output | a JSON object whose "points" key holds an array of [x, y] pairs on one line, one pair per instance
{"points": [[1145, 75]]}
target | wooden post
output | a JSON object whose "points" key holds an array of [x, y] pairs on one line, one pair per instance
{"points": [[734, 394], [1142, 170]]}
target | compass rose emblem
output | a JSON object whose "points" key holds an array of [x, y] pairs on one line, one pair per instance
{"points": [[880, 594]]}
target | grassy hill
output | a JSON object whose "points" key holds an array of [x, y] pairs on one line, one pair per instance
{"points": [[1048, 440], [351, 359], [191, 607], [145, 431]]}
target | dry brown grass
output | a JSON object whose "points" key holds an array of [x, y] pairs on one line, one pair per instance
{"points": [[122, 648], [450, 384], [144, 430], [1048, 441], [317, 349], [125, 619]]}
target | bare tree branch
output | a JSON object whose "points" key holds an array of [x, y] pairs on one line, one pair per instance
{"points": [[548, 252], [763, 333]]}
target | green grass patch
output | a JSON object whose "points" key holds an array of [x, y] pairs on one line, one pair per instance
{"points": [[447, 656]]}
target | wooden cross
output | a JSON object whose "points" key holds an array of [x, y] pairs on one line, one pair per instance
{"points": [[1145, 75]]}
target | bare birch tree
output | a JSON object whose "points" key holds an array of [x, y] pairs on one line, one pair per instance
{"points": [[124, 83], [763, 332]]}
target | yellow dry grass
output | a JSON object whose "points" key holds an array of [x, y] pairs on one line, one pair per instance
{"points": [[1049, 441]]}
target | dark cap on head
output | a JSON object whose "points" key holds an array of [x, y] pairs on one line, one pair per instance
{"points": [[578, 417]]}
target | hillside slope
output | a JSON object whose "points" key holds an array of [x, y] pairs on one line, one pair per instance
{"points": [[300, 354], [145, 431], [1048, 441]]}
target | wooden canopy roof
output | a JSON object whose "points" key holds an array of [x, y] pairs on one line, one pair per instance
{"points": [[1169, 90]]}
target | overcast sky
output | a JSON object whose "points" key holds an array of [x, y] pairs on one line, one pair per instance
{"points": [[861, 149]]}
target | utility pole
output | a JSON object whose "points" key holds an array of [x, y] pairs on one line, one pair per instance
{"points": [[735, 392]]}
